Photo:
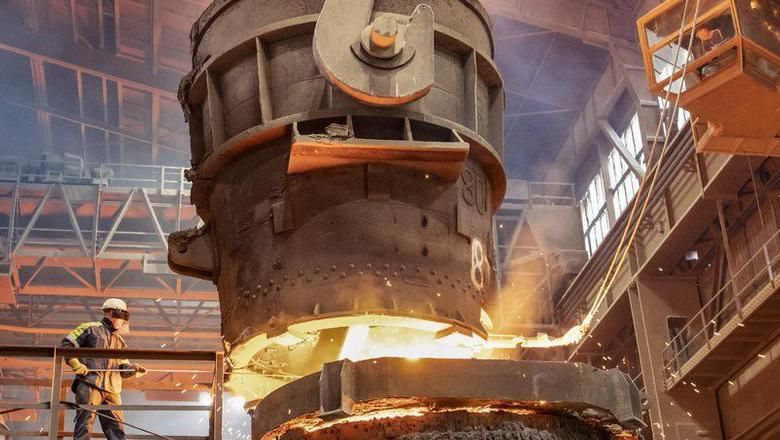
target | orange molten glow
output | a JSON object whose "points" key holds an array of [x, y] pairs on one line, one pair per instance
{"points": [[366, 342], [262, 364], [419, 411], [376, 412]]}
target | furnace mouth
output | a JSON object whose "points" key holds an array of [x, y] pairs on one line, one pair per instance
{"points": [[264, 362]]}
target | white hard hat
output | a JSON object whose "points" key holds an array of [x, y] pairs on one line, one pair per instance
{"points": [[115, 303]]}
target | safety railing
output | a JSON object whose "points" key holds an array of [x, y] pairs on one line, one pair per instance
{"points": [[521, 193], [647, 431], [57, 404], [728, 303], [73, 171], [552, 193], [639, 381]]}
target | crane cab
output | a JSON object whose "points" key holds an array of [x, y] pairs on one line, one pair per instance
{"points": [[733, 69]]}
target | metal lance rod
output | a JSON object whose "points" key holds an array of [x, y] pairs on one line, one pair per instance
{"points": [[149, 370]]}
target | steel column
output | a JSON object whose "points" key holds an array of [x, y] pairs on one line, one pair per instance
{"points": [[115, 226], [56, 384], [34, 218]]}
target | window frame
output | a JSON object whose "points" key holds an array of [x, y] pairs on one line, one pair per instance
{"points": [[623, 183], [593, 211]]}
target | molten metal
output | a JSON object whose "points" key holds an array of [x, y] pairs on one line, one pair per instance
{"points": [[394, 398]]}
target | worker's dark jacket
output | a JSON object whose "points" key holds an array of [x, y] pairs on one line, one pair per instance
{"points": [[100, 335]]}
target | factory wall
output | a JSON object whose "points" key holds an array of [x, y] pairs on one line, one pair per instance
{"points": [[750, 400]]}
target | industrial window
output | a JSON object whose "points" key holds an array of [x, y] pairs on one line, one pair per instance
{"points": [[594, 214], [624, 183], [665, 66], [632, 138], [680, 120]]}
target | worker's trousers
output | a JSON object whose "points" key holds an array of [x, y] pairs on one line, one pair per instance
{"points": [[111, 421]]}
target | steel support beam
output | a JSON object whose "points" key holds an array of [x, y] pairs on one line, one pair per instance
{"points": [[217, 402], [620, 147], [56, 290], [117, 221], [156, 25], [83, 122], [34, 219], [593, 22], [609, 185], [624, 74], [60, 331], [54, 399], [107, 353], [155, 220], [74, 221], [36, 269], [12, 220], [97, 63], [155, 384]]}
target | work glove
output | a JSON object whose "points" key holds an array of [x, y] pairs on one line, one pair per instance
{"points": [[77, 367], [140, 371]]}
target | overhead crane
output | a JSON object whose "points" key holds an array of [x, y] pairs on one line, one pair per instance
{"points": [[719, 60]]}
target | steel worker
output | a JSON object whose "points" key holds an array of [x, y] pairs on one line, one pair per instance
{"points": [[95, 382]]}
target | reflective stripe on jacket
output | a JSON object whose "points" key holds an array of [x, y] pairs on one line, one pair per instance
{"points": [[100, 334]]}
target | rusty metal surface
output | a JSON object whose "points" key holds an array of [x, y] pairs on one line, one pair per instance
{"points": [[338, 146], [365, 73], [319, 208], [347, 240], [457, 425], [601, 403], [272, 58], [243, 16]]}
